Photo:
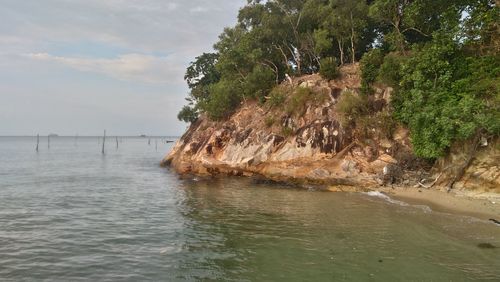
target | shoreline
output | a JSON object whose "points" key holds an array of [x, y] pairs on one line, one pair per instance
{"points": [[481, 205], [484, 206]]}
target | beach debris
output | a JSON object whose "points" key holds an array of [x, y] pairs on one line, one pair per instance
{"points": [[495, 221], [486, 246]]}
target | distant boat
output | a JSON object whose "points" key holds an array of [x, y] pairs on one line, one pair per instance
{"points": [[142, 135], [169, 141], [53, 135]]}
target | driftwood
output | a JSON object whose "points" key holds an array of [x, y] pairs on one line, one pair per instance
{"points": [[420, 184]]}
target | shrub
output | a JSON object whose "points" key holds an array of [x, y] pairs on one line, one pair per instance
{"points": [[446, 96], [224, 99], [351, 107], [370, 65], [390, 70], [385, 124], [286, 131], [269, 121], [329, 69], [298, 102], [259, 82], [276, 98]]}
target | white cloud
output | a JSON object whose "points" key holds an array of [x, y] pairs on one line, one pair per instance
{"points": [[122, 39], [137, 67]]}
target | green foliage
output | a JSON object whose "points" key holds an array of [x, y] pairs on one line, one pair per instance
{"points": [[370, 66], [269, 121], [446, 96], [187, 114], [329, 69], [277, 97], [390, 70], [286, 131], [440, 56], [201, 74], [385, 124], [298, 102], [259, 82], [224, 99], [301, 98], [352, 107], [202, 71]]}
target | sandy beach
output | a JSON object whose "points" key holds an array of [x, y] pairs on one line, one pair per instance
{"points": [[481, 205]]}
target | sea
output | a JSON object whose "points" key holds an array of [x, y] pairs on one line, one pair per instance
{"points": [[71, 213]]}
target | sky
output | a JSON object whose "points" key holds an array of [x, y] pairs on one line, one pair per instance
{"points": [[81, 66]]}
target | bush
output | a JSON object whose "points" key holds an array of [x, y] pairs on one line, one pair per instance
{"points": [[224, 99], [286, 131], [276, 98], [298, 102], [187, 114], [385, 124], [269, 121], [447, 95], [351, 107], [390, 70], [259, 82], [370, 65], [329, 69]]}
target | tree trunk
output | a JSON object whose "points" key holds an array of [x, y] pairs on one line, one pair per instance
{"points": [[352, 41], [341, 49]]}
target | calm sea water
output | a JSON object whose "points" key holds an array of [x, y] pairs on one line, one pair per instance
{"points": [[72, 214]]}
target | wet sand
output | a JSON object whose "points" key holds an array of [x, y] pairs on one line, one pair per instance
{"points": [[479, 205]]}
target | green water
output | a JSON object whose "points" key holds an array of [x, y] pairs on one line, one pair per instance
{"points": [[71, 214]]}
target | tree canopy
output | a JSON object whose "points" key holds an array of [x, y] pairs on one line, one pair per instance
{"points": [[440, 56]]}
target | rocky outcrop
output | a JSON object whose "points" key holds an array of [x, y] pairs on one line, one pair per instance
{"points": [[311, 144], [472, 166]]}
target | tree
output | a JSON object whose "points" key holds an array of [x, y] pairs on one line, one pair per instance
{"points": [[202, 73], [447, 96], [350, 17], [187, 114]]}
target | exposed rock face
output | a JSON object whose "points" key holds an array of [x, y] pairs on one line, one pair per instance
{"points": [[311, 148], [317, 148], [483, 173]]}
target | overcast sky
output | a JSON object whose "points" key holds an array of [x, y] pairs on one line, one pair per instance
{"points": [[81, 66]]}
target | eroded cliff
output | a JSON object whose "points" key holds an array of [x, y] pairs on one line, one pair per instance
{"points": [[307, 140]]}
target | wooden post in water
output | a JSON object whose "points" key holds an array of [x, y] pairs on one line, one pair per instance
{"points": [[103, 141], [76, 139], [37, 141], [116, 142], [149, 141], [48, 141], [156, 145]]}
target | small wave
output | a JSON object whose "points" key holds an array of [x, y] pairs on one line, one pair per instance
{"points": [[385, 197]]}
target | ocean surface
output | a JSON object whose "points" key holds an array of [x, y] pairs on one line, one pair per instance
{"points": [[69, 213]]}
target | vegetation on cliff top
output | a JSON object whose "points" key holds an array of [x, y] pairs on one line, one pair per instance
{"points": [[441, 57]]}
